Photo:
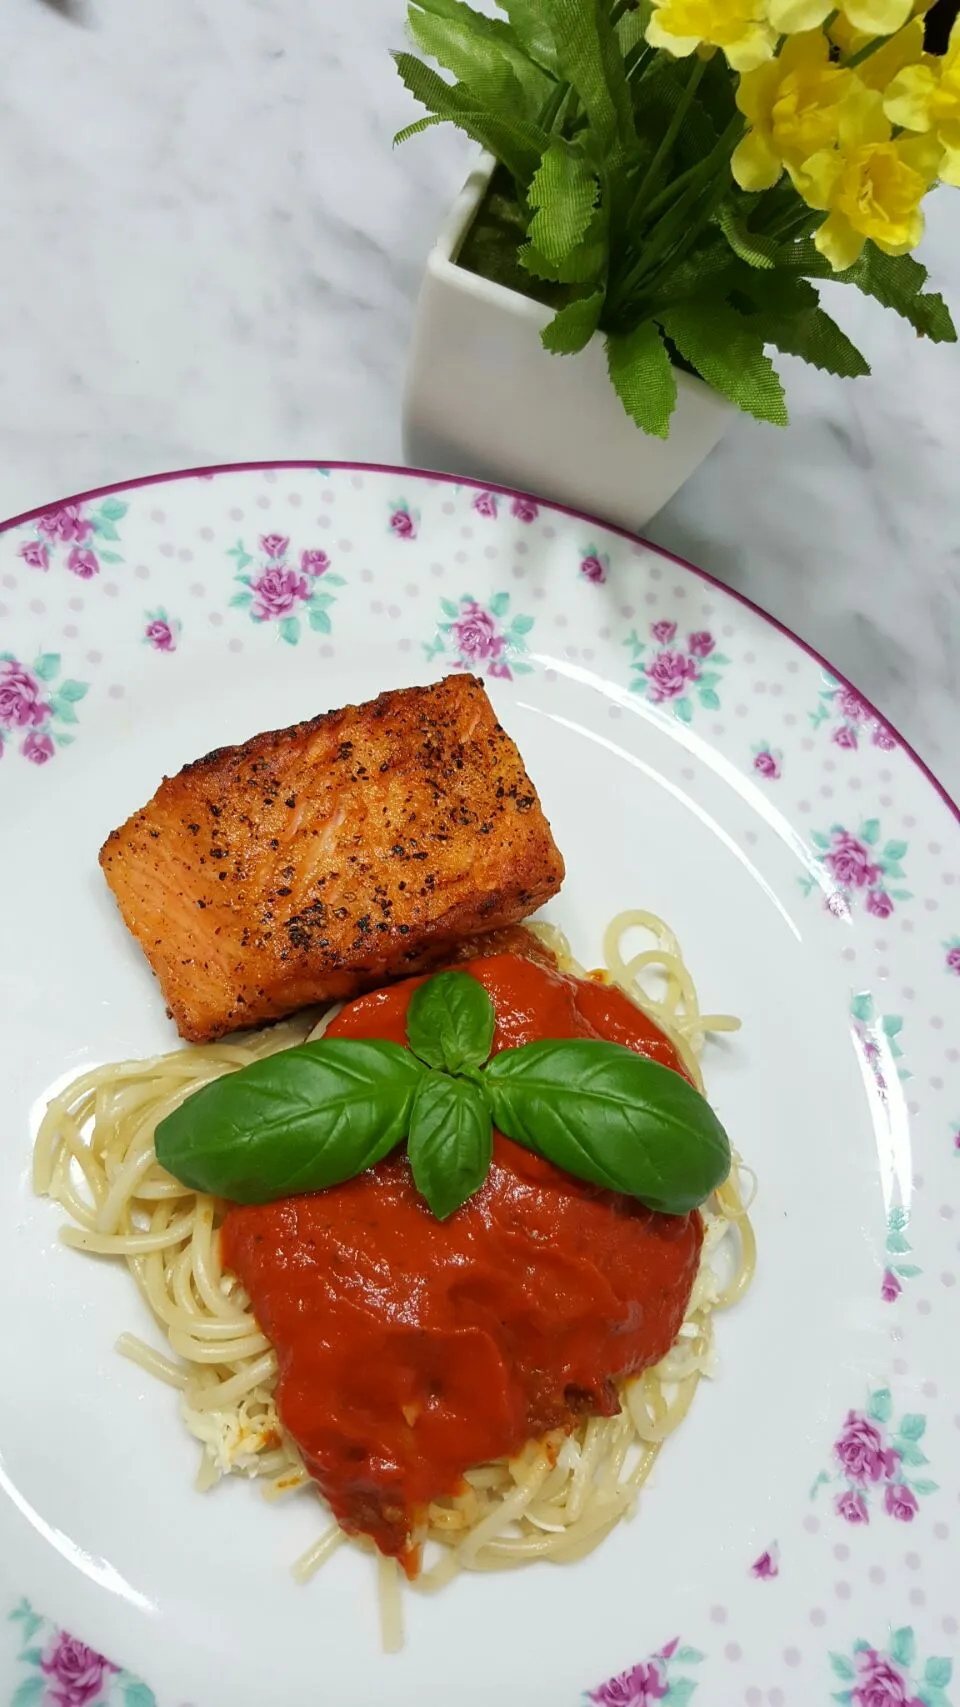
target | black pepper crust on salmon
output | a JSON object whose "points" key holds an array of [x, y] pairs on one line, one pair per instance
{"points": [[314, 862]]}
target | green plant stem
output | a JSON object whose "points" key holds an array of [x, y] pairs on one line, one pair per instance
{"points": [[710, 177], [552, 106], [865, 53], [620, 10], [669, 138]]}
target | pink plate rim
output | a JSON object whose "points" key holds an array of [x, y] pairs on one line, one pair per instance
{"points": [[254, 467]]}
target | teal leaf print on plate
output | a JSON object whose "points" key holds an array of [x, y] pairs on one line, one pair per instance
{"points": [[854, 722], [65, 1672], [161, 631], [675, 672], [35, 706], [863, 867], [875, 1461], [891, 1676], [898, 1247], [660, 1677], [279, 586], [71, 536], [482, 638]]}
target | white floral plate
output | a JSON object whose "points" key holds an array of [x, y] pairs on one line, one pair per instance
{"points": [[801, 1538]]}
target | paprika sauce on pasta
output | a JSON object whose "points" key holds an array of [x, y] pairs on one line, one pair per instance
{"points": [[411, 1349]]}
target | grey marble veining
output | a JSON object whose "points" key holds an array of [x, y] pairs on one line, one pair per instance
{"points": [[211, 253]]}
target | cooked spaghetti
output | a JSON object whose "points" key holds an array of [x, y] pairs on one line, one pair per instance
{"points": [[564, 1492]]}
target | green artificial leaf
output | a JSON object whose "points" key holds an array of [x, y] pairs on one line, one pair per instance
{"points": [[572, 327], [415, 129], [903, 1645], [631, 27], [608, 1115], [516, 142], [815, 337], [643, 377], [532, 31], [589, 57], [758, 251], [479, 64], [451, 1021], [564, 192], [719, 343], [586, 263], [471, 41], [451, 1140], [300, 1120], [896, 281]]}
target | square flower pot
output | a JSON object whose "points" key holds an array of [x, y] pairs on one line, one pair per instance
{"points": [[485, 399]]}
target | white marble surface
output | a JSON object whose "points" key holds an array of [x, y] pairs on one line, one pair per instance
{"points": [[211, 253]]}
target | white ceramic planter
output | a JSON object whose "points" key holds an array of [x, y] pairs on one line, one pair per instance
{"points": [[484, 398]]}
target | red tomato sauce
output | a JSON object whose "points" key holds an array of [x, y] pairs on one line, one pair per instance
{"points": [[411, 1349]]}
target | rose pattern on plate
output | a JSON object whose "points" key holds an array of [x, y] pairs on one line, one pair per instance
{"points": [[479, 638], [853, 720], [524, 510], [671, 672], [858, 869], [283, 586], [874, 1464], [768, 761], [955, 1137], [487, 504], [160, 631], [897, 1246], [74, 536], [768, 1565], [891, 1676], [878, 1039], [34, 706], [62, 1671], [594, 564], [404, 522], [951, 950], [657, 1678]]}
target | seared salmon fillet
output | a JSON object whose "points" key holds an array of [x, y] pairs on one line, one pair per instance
{"points": [[314, 862]]}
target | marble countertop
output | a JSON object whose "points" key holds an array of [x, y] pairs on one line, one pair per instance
{"points": [[211, 253]]}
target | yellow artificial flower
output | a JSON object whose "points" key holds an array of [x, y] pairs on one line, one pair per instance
{"points": [[871, 189], [796, 105], [926, 98], [870, 17], [905, 48], [739, 27], [850, 41]]}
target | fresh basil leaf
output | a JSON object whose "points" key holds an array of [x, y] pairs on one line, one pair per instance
{"points": [[301, 1120], [609, 1115], [451, 1141], [450, 1022]]}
